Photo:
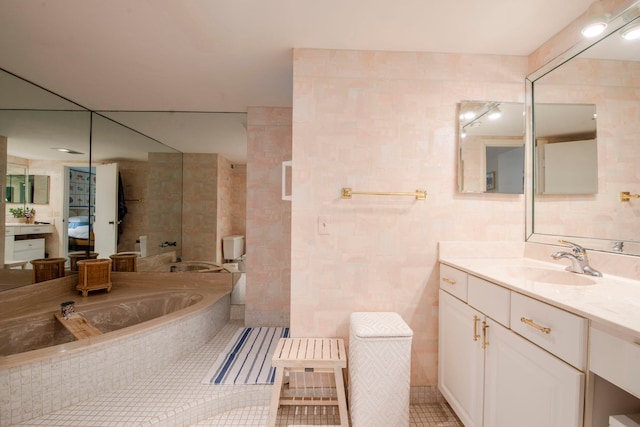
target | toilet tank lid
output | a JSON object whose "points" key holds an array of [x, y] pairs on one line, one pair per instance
{"points": [[379, 325], [233, 237]]}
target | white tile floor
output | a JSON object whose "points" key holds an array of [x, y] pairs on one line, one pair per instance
{"points": [[175, 397], [423, 415]]}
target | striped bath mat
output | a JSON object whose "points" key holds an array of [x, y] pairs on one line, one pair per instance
{"points": [[247, 358]]}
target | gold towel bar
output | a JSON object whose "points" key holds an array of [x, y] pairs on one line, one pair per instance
{"points": [[418, 194], [625, 196]]}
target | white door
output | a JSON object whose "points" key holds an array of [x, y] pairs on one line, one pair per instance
{"points": [[105, 225], [527, 387], [461, 359]]}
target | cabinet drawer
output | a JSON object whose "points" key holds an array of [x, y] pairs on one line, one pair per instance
{"points": [[26, 250], [35, 229], [616, 359], [559, 332], [9, 231], [491, 299], [453, 281]]}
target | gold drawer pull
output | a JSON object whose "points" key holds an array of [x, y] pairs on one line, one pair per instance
{"points": [[485, 343], [535, 325], [476, 335], [449, 281]]}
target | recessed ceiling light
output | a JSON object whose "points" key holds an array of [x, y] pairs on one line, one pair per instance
{"points": [[632, 33], [67, 150], [594, 29]]}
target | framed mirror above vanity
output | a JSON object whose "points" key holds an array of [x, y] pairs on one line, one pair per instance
{"points": [[585, 109]]}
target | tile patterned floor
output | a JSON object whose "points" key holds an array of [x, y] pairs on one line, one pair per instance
{"points": [[424, 415], [175, 397]]}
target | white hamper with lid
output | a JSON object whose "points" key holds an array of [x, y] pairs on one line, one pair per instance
{"points": [[379, 369]]}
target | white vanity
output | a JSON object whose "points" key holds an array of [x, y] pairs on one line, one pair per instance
{"points": [[24, 242], [525, 343]]}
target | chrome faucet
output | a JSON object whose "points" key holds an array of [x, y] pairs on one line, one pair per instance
{"points": [[579, 259]]}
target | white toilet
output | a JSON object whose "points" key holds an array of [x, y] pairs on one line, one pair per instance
{"points": [[233, 253], [232, 247]]}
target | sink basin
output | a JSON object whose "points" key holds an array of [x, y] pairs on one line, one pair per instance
{"points": [[555, 277]]}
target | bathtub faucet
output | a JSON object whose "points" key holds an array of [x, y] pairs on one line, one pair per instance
{"points": [[578, 258], [165, 244]]}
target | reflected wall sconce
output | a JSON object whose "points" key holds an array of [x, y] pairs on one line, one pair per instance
{"points": [[495, 114], [632, 33], [594, 28]]}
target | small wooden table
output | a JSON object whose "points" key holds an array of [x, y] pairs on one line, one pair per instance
{"points": [[93, 274], [309, 355]]}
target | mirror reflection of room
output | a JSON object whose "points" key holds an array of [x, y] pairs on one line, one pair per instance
{"points": [[585, 134], [15, 190], [491, 147], [566, 152]]}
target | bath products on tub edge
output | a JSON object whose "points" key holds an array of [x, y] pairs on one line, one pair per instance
{"points": [[66, 309]]}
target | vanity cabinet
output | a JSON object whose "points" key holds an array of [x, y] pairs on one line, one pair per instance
{"points": [[29, 245], [491, 375], [616, 358], [26, 250], [461, 359]]}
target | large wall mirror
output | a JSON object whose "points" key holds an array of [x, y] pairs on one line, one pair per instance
{"points": [[585, 124], [491, 147], [77, 151]]}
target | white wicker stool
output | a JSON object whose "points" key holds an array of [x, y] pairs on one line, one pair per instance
{"points": [[309, 355]]}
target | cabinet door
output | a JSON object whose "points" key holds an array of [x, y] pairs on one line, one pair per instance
{"points": [[461, 359], [27, 250], [527, 387]]}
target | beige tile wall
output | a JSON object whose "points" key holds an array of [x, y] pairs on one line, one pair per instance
{"points": [[268, 237], [214, 206], [380, 121], [165, 194], [199, 207]]}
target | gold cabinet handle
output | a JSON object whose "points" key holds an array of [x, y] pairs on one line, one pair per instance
{"points": [[449, 281], [533, 324], [476, 335], [485, 342]]}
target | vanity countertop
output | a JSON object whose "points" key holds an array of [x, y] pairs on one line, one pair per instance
{"points": [[609, 300]]}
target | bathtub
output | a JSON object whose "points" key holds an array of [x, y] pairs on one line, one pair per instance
{"points": [[148, 320], [196, 267], [42, 330]]}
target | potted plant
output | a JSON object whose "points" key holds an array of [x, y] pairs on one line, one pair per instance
{"points": [[27, 214]]}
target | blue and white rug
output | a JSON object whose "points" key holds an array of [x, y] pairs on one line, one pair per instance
{"points": [[247, 358]]}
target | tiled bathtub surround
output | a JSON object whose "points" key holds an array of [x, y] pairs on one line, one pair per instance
{"points": [[175, 396], [75, 373]]}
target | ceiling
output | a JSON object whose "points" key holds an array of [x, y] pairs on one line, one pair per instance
{"points": [[228, 55]]}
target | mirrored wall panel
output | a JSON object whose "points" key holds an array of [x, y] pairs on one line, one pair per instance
{"points": [[586, 123], [138, 203]]}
